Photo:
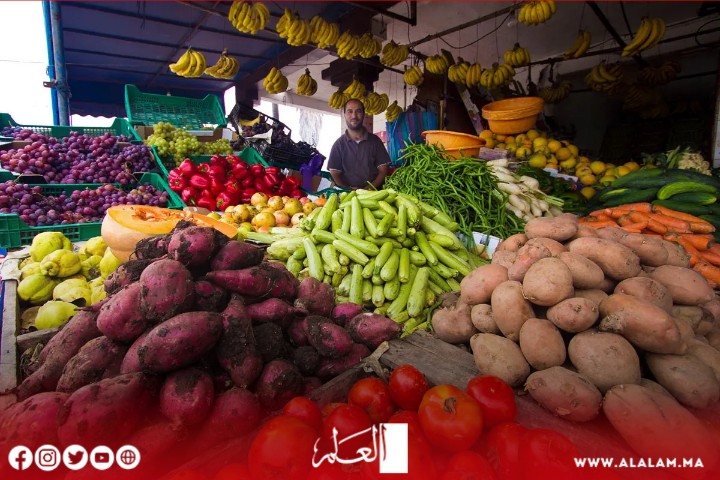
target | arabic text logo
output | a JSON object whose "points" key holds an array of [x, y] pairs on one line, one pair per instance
{"points": [[20, 458]]}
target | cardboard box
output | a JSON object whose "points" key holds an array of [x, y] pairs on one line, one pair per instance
{"points": [[318, 182]]}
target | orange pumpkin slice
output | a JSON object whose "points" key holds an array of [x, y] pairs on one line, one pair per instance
{"points": [[125, 225]]}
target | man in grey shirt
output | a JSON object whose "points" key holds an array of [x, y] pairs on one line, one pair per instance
{"points": [[358, 158]]}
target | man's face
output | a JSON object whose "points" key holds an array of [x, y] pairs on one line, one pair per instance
{"points": [[354, 115]]}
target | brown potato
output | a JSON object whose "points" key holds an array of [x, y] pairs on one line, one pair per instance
{"points": [[708, 355], [594, 294], [654, 386], [510, 309], [555, 247], [526, 257], [558, 228], [584, 231], [512, 243], [453, 324], [585, 273], [616, 260], [713, 337], [542, 344], [692, 313], [547, 282], [677, 255], [504, 258], [686, 330], [611, 233], [482, 317], [645, 325], [691, 381], [565, 393], [574, 314], [646, 289], [606, 359], [477, 286], [713, 306], [499, 356], [651, 250], [686, 286]]}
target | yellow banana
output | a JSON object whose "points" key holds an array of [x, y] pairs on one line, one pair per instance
{"points": [[182, 63], [393, 112], [263, 12], [642, 34], [586, 38]]}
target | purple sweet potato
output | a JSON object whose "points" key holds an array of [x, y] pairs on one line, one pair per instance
{"points": [[167, 290], [32, 422], [193, 246], [262, 280], [270, 341], [131, 361], [99, 358], [296, 332], [306, 359], [151, 247], [210, 297], [186, 396], [237, 255], [329, 339], [279, 382], [126, 274], [106, 412], [120, 319], [342, 312], [236, 412], [179, 341], [236, 351], [372, 329], [276, 311], [332, 367], [79, 330], [316, 297], [311, 383]]}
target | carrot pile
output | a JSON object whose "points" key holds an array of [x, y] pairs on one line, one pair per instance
{"points": [[693, 233]]}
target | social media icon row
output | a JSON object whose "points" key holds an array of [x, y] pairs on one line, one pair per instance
{"points": [[74, 457]]}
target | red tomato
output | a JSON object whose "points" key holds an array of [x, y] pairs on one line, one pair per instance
{"points": [[306, 410], [372, 395], [329, 407], [412, 420], [347, 420], [548, 454], [451, 419], [420, 460], [468, 465], [496, 398], [407, 386], [233, 471], [283, 448], [501, 447]]}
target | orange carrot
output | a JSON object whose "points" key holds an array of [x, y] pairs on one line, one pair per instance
{"points": [[701, 227], [651, 234], [603, 211], [602, 224], [638, 207], [634, 227], [674, 213], [710, 272], [673, 224], [624, 220], [655, 226], [595, 218], [690, 249], [715, 248], [710, 257], [701, 242]]}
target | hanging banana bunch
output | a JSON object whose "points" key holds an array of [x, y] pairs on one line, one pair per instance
{"points": [[394, 54], [472, 79], [369, 45], [579, 46], [293, 29], [355, 90], [661, 75], [393, 112], [248, 17], [497, 77], [603, 77], [282, 27], [458, 72], [555, 93], [517, 57], [306, 86], [535, 13], [413, 76], [324, 34], [226, 67], [348, 45], [275, 81], [375, 104], [437, 64], [191, 64], [338, 99], [649, 33]]}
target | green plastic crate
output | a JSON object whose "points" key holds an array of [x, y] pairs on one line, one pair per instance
{"points": [[15, 233], [248, 155], [151, 108], [120, 126]]}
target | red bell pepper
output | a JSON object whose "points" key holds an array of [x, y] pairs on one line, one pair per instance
{"points": [[256, 170], [259, 184], [246, 194], [189, 195], [200, 181], [216, 186], [246, 182], [271, 180], [226, 199], [294, 181], [187, 168], [219, 161], [203, 168], [285, 188], [177, 183], [273, 170], [240, 170], [218, 172], [207, 201], [232, 187], [297, 193]]}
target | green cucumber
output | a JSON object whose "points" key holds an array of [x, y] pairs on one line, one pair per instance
{"points": [[682, 186], [691, 208], [636, 176], [698, 198], [631, 196]]}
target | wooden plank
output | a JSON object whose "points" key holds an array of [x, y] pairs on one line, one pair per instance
{"points": [[8, 348], [30, 340]]}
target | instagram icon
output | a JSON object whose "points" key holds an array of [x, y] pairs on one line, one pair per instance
{"points": [[47, 457]]}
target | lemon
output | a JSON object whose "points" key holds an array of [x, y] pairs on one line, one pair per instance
{"points": [[511, 147], [610, 166], [537, 161], [554, 166], [539, 143], [588, 192], [489, 142], [588, 180], [500, 137], [554, 145], [563, 154], [582, 171], [520, 138], [486, 134], [607, 179], [569, 164], [522, 152], [633, 166], [597, 167], [583, 159], [621, 171], [575, 150], [532, 134], [509, 139]]}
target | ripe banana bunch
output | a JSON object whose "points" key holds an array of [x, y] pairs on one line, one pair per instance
{"points": [[579, 46], [275, 82], [517, 57], [472, 78], [348, 45], [369, 46], [499, 76], [535, 13], [338, 99], [283, 25], [394, 54], [413, 76], [637, 97], [659, 75], [556, 93], [355, 90], [324, 34], [375, 104], [393, 112], [437, 64], [602, 77], [248, 17], [226, 67], [294, 29], [306, 86], [649, 33], [458, 73], [191, 64]]}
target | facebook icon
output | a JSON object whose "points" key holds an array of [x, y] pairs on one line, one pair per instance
{"points": [[20, 458]]}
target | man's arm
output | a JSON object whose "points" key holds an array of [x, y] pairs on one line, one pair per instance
{"points": [[383, 170], [339, 179]]}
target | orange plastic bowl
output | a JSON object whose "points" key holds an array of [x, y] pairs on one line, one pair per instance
{"points": [[513, 115], [455, 143]]}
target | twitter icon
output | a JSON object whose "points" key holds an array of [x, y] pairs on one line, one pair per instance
{"points": [[75, 457]]}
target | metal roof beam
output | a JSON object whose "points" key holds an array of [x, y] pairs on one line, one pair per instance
{"points": [[122, 70]]}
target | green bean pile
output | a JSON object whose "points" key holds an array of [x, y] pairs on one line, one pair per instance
{"points": [[465, 189]]}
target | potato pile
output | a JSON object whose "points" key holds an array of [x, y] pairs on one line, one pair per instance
{"points": [[574, 314]]}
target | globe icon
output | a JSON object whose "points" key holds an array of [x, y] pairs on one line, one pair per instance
{"points": [[128, 457]]}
